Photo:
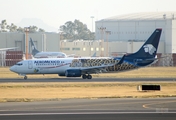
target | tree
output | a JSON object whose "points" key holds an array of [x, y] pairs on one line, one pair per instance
{"points": [[76, 30], [41, 30], [12, 28], [33, 29], [3, 26], [68, 30], [20, 29]]}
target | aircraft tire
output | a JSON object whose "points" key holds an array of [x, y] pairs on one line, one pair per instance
{"points": [[89, 76], [25, 77], [84, 76]]}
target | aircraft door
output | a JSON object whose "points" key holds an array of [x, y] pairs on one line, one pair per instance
{"points": [[30, 65]]}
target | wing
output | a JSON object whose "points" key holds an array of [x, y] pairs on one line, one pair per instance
{"points": [[100, 69], [95, 69]]}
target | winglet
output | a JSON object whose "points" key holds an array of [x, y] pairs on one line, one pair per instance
{"points": [[94, 55]]}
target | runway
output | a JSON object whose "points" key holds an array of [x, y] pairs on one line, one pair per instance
{"points": [[91, 109], [3, 80]]}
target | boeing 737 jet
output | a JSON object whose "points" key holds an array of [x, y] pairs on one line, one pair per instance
{"points": [[77, 67], [5, 49], [37, 54]]}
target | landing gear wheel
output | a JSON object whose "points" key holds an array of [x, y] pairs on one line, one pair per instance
{"points": [[84, 76], [89, 76], [25, 77]]}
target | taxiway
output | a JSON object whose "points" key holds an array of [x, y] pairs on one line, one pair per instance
{"points": [[91, 109]]}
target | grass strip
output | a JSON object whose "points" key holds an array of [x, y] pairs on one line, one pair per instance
{"points": [[26, 92]]}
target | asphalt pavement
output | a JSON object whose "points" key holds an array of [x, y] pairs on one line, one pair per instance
{"points": [[91, 109], [4, 80]]}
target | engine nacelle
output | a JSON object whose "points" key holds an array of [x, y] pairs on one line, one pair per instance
{"points": [[61, 74], [73, 73]]}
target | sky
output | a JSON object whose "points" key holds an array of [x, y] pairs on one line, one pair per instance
{"points": [[57, 12]]}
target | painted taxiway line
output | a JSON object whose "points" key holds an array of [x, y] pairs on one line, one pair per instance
{"points": [[83, 113]]}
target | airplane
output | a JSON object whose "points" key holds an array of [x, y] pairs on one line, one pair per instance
{"points": [[5, 49], [77, 67], [37, 54]]}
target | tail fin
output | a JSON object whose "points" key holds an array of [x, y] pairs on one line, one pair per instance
{"points": [[34, 49], [94, 55], [149, 48]]}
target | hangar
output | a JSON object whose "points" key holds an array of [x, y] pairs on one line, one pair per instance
{"points": [[137, 27]]}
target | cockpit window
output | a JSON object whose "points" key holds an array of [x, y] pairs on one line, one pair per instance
{"points": [[19, 64]]}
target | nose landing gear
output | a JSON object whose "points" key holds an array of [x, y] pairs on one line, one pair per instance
{"points": [[25, 77]]}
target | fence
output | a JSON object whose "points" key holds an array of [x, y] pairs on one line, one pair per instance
{"points": [[9, 58]]}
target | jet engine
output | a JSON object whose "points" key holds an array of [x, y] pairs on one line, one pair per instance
{"points": [[73, 73]]}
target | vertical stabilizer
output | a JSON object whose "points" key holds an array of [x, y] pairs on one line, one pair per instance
{"points": [[149, 48], [34, 49]]}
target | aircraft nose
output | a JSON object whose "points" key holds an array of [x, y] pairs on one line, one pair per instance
{"points": [[13, 68]]}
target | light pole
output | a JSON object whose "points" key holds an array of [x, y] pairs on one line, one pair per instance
{"points": [[102, 29], [92, 32], [107, 43], [60, 39], [60, 36], [92, 22], [26, 29]]}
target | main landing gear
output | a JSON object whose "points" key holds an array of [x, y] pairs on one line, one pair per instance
{"points": [[25, 77], [84, 76]]}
